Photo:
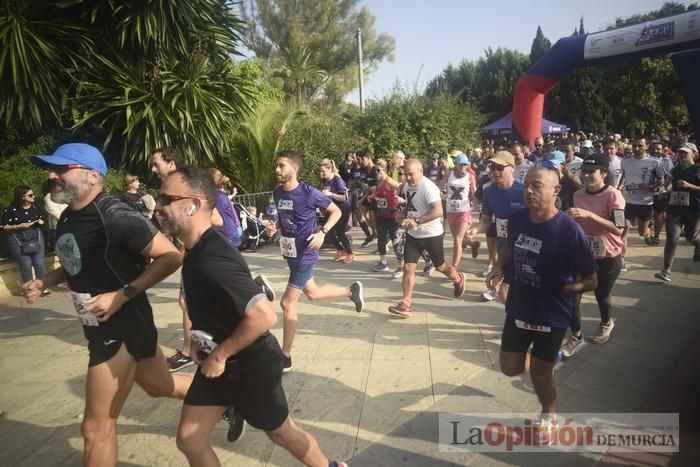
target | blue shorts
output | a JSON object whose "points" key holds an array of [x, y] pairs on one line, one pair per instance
{"points": [[300, 274]]}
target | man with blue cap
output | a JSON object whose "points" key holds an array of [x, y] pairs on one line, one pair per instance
{"points": [[104, 247]]}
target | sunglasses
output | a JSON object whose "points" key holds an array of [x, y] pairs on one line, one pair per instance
{"points": [[31, 195], [499, 168], [61, 169], [165, 199]]}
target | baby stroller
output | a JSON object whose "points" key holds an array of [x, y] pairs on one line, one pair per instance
{"points": [[254, 233]]}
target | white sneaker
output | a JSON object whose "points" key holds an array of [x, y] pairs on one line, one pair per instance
{"points": [[398, 274], [489, 295], [572, 345], [486, 270]]}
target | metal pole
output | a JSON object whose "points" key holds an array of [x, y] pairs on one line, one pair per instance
{"points": [[359, 68]]}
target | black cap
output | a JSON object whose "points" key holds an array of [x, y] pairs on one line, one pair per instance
{"points": [[597, 160]]}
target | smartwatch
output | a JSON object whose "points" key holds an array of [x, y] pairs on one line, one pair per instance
{"points": [[324, 230], [130, 292]]}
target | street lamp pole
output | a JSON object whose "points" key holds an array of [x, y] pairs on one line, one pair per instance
{"points": [[359, 69]]}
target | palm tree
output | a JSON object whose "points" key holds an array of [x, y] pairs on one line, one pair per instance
{"points": [[299, 73]]}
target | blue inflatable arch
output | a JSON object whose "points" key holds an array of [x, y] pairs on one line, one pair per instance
{"points": [[664, 35]]}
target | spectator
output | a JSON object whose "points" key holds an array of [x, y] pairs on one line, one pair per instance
{"points": [[25, 243], [133, 196], [224, 215]]}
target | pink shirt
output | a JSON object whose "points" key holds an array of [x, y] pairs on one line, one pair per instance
{"points": [[603, 243]]}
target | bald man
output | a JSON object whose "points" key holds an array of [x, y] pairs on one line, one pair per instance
{"points": [[424, 231], [549, 263]]}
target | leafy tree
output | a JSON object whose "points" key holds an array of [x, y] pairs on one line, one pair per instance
{"points": [[321, 31], [540, 46]]}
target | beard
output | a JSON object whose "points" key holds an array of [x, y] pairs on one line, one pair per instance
{"points": [[170, 226], [64, 193]]}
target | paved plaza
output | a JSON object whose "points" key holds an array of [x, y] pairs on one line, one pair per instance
{"points": [[368, 386]]}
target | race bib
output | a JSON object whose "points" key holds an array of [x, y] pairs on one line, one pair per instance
{"points": [[679, 198], [502, 228], [532, 327], [457, 205], [631, 187], [597, 246], [382, 203], [204, 343], [288, 246], [85, 318]]}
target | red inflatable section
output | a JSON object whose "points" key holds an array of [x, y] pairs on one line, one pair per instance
{"points": [[528, 106]]}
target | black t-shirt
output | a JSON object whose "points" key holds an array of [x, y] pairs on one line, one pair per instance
{"points": [[683, 200], [371, 179], [99, 248], [218, 285], [135, 201], [344, 172], [356, 177], [433, 172], [15, 215]]}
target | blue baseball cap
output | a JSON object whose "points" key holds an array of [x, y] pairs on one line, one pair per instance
{"points": [[461, 159], [74, 154], [557, 157]]}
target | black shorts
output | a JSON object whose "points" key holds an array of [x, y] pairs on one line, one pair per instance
{"points": [[491, 231], [415, 246], [638, 211], [252, 384], [660, 203], [545, 345], [141, 340]]}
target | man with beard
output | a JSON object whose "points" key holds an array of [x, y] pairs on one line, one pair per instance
{"points": [[240, 362], [300, 241], [546, 251], [103, 246]]}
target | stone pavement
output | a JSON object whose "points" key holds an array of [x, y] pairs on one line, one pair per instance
{"points": [[369, 386]]}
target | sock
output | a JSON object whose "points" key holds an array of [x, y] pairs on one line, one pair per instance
{"points": [[365, 228]]}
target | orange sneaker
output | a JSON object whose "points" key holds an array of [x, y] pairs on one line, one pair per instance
{"points": [[338, 255], [349, 258]]}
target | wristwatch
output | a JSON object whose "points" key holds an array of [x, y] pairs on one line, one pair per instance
{"points": [[324, 230], [130, 292], [418, 221]]}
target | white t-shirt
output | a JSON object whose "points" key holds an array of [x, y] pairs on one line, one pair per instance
{"points": [[574, 167], [458, 193], [520, 171], [615, 171], [419, 200], [637, 172]]}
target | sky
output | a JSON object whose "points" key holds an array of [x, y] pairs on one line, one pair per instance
{"points": [[430, 34]]}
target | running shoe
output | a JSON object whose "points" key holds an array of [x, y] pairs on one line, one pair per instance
{"points": [[236, 424], [380, 267], [178, 361], [486, 270], [368, 240], [489, 295], [287, 364], [349, 258], [337, 464], [459, 285], [664, 275], [572, 345], [400, 309], [398, 274], [338, 256], [649, 240], [475, 249], [356, 296], [624, 265], [428, 269], [604, 333], [45, 293], [266, 286], [656, 241], [546, 428]]}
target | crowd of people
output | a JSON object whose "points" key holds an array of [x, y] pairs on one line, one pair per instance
{"points": [[556, 221]]}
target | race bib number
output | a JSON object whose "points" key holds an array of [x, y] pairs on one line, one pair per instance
{"points": [[502, 228], [532, 327], [457, 205], [288, 246], [85, 318], [631, 187], [382, 203], [679, 198], [597, 246], [204, 341]]}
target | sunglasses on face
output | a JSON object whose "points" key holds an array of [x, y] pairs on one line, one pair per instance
{"points": [[165, 199], [31, 195], [499, 168]]}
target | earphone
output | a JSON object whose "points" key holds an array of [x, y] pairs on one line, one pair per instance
{"points": [[192, 208]]}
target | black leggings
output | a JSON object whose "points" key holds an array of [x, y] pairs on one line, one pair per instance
{"points": [[337, 234], [386, 226], [674, 229], [607, 270]]}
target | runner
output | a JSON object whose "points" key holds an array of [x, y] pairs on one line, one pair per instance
{"points": [[334, 188], [501, 199], [641, 174], [240, 362], [104, 246], [683, 213], [600, 210], [460, 190], [387, 199], [545, 251], [366, 209], [300, 241], [661, 192], [522, 165], [425, 232]]}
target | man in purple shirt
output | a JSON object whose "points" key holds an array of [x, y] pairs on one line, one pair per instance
{"points": [[300, 240], [550, 262]]}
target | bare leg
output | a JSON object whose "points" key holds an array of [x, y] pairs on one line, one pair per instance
{"points": [[289, 304], [316, 292], [106, 389], [457, 231], [299, 443], [514, 363], [449, 272], [491, 245], [196, 423], [543, 381], [408, 282], [153, 376]]}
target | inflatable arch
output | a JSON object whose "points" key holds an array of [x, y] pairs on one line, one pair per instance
{"points": [[664, 35]]}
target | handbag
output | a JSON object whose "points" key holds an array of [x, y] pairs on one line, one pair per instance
{"points": [[28, 248]]}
